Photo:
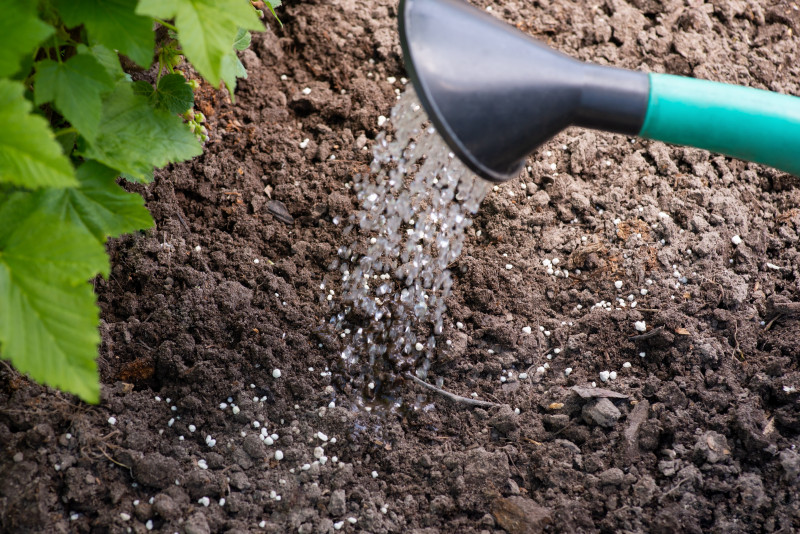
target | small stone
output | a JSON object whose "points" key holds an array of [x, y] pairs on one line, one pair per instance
{"points": [[790, 462], [279, 211], [197, 524], [337, 505], [711, 447], [166, 507], [612, 477], [254, 447], [520, 515], [601, 412]]}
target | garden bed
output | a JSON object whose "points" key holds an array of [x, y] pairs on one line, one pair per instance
{"points": [[700, 434]]}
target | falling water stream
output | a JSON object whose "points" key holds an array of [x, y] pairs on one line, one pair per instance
{"points": [[416, 204]]}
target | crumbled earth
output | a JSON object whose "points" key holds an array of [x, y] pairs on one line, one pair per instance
{"points": [[694, 430]]}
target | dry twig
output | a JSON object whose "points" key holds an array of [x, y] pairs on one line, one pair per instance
{"points": [[652, 333], [453, 397]]}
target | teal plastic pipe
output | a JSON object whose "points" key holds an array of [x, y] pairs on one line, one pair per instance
{"points": [[742, 122]]}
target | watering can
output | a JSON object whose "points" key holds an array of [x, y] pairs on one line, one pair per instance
{"points": [[495, 94]]}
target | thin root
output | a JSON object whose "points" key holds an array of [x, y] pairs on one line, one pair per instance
{"points": [[110, 459], [769, 324], [453, 397]]}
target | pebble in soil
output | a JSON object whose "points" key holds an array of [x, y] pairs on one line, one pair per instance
{"points": [[416, 204]]}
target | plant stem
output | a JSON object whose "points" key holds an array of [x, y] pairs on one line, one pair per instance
{"points": [[65, 131], [57, 49], [160, 67], [166, 25]]}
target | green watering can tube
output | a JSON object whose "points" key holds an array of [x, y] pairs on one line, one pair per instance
{"points": [[742, 122]]}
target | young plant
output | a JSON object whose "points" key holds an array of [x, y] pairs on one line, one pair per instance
{"points": [[73, 123]]}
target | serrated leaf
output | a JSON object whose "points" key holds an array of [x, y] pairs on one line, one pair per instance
{"points": [[20, 31], [99, 204], [174, 94], [107, 58], [48, 316], [48, 329], [142, 88], [29, 154], [206, 29], [113, 23], [242, 40], [75, 87], [134, 137], [232, 69], [28, 222], [149, 177]]}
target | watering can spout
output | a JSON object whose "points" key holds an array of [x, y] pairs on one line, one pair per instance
{"points": [[495, 94]]}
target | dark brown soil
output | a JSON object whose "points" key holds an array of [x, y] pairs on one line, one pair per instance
{"points": [[704, 438]]}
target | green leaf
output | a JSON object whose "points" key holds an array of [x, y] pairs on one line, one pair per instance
{"points": [[271, 5], [29, 154], [143, 88], [29, 219], [134, 137], [242, 39], [99, 204], [232, 68], [67, 141], [48, 316], [174, 94], [146, 179], [206, 29], [113, 23], [107, 58], [20, 31], [75, 87]]}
